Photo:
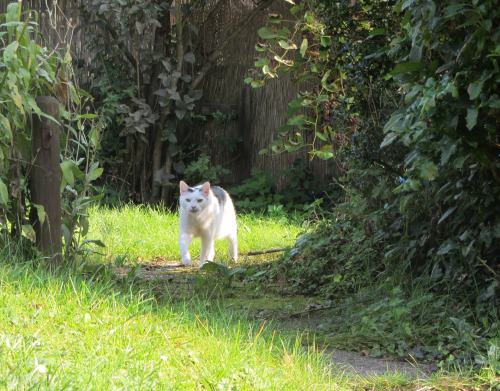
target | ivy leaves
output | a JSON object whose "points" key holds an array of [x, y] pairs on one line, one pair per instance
{"points": [[304, 52], [325, 57], [450, 101]]}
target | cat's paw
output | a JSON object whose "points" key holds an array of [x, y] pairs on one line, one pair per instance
{"points": [[186, 261]]}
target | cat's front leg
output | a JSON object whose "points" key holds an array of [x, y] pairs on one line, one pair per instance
{"points": [[207, 250], [184, 242]]}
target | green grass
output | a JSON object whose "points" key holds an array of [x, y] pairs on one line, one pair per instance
{"points": [[72, 331], [90, 330], [62, 331], [149, 233]]}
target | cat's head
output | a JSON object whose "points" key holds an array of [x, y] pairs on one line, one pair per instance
{"points": [[194, 199]]}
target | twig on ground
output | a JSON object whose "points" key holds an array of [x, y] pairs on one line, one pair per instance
{"points": [[274, 250]]}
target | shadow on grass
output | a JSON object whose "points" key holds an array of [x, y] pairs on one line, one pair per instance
{"points": [[152, 329], [272, 303]]}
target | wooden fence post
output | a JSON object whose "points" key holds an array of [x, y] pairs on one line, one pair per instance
{"points": [[45, 180]]}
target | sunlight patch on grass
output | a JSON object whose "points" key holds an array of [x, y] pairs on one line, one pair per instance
{"points": [[147, 233], [62, 331]]}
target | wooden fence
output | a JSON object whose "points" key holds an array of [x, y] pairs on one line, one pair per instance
{"points": [[258, 111]]}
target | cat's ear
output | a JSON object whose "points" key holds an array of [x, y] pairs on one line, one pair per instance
{"points": [[183, 187], [205, 188]]}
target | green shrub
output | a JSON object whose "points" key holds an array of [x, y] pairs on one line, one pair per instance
{"points": [[30, 70], [303, 191], [201, 170], [256, 192]]}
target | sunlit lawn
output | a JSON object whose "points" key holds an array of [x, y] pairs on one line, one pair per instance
{"points": [[92, 331], [96, 332], [148, 233], [67, 332]]}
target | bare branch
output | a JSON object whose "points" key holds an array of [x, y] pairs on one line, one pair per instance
{"points": [[274, 250]]}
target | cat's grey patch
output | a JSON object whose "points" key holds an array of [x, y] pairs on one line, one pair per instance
{"points": [[220, 194], [191, 190]]}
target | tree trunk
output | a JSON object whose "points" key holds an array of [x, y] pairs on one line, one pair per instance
{"points": [[166, 190]]}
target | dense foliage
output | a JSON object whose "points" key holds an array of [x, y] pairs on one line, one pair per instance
{"points": [[30, 69], [304, 193], [21, 80], [404, 97], [142, 75]]}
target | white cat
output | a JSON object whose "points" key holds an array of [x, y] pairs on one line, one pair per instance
{"points": [[208, 213]]}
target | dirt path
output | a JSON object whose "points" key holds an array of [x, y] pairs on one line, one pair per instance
{"points": [[350, 363], [354, 363]]}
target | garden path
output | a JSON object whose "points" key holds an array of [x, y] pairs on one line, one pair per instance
{"points": [[351, 363]]}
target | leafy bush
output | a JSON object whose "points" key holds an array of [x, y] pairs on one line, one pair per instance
{"points": [[403, 101], [256, 192], [30, 70], [259, 193], [201, 170], [373, 302]]}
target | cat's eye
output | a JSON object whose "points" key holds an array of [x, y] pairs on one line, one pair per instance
{"points": [[200, 201], [188, 200]]}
